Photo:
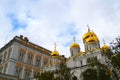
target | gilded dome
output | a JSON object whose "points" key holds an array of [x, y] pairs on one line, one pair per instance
{"points": [[86, 35], [91, 39], [55, 53], [90, 36], [105, 47], [94, 34], [74, 45]]}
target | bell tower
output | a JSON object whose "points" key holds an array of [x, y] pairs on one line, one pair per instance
{"points": [[74, 48], [90, 40]]}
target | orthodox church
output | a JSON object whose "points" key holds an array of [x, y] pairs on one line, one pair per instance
{"points": [[79, 60], [24, 59]]}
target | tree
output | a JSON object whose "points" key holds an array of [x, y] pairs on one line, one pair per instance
{"points": [[115, 45], [46, 76], [64, 73], [90, 74], [96, 70]]}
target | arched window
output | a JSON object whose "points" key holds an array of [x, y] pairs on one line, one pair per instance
{"points": [[74, 78], [71, 53], [81, 63]]}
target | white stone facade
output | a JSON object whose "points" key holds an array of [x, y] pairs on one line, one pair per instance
{"points": [[23, 59], [78, 64]]}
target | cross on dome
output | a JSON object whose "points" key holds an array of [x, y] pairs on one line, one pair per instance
{"points": [[55, 46], [88, 28], [74, 39], [103, 41]]}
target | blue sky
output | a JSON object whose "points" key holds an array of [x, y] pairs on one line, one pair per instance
{"points": [[45, 22], [15, 22]]}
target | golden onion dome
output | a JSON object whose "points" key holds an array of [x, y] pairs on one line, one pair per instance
{"points": [[105, 47], [91, 39], [74, 45], [94, 34], [86, 35], [90, 36], [55, 53]]}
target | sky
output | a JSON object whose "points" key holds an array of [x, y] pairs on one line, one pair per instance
{"points": [[46, 22]]}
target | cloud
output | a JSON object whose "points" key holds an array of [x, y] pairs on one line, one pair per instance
{"points": [[15, 22], [45, 22]]}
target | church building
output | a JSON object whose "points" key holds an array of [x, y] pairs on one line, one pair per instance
{"points": [[24, 59], [79, 60]]}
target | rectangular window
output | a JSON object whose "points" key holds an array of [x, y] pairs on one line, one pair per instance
{"points": [[27, 74], [21, 56], [38, 61], [30, 59], [18, 72], [46, 61]]}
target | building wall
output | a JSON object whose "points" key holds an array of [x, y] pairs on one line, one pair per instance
{"points": [[78, 64], [23, 60], [74, 51], [4, 59]]}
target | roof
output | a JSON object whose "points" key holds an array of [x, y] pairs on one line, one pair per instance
{"points": [[24, 41]]}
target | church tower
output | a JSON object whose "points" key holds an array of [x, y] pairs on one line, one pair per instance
{"points": [[54, 56], [105, 47], [90, 40], [74, 48]]}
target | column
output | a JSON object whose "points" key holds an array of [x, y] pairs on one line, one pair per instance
{"points": [[41, 61], [34, 59], [3, 69], [2, 58], [23, 71], [6, 57], [25, 59], [32, 73]]}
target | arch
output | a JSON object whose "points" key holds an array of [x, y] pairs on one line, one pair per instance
{"points": [[74, 78]]}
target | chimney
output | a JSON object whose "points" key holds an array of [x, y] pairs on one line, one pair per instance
{"points": [[21, 36], [26, 39]]}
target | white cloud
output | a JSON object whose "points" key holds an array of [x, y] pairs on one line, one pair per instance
{"points": [[50, 21]]}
